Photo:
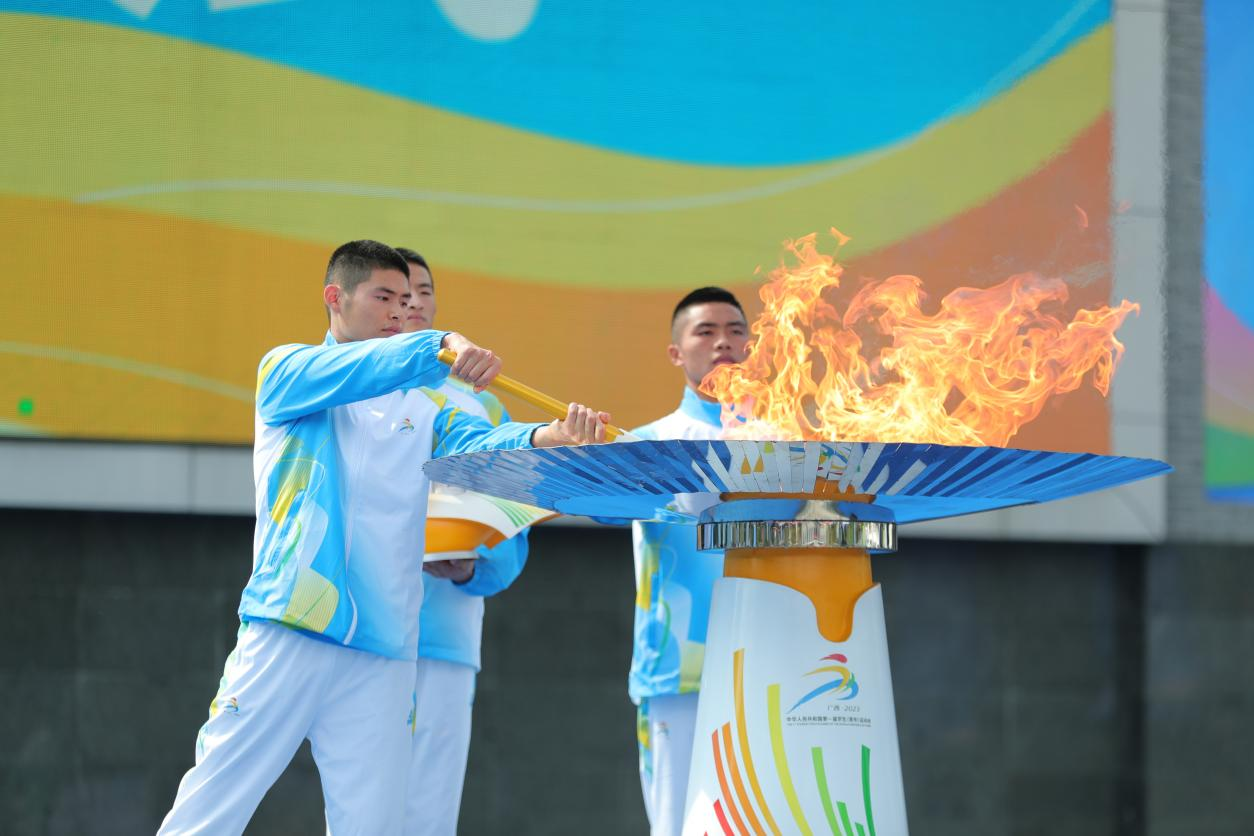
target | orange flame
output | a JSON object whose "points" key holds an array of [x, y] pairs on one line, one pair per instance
{"points": [[972, 373]]}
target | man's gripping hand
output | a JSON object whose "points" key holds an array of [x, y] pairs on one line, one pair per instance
{"points": [[582, 425], [476, 366]]}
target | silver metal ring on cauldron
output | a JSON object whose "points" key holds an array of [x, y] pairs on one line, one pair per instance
{"points": [[798, 534]]}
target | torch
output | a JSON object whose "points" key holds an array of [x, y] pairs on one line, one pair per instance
{"points": [[545, 403]]}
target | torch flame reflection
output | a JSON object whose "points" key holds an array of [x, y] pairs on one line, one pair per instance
{"points": [[972, 373]]}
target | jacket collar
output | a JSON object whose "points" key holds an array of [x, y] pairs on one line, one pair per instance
{"points": [[703, 411]]}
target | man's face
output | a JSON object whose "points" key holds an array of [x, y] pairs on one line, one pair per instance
{"points": [[375, 308], [420, 315], [708, 335]]}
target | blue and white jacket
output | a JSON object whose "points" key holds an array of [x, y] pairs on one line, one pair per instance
{"points": [[674, 581], [451, 621], [342, 432]]}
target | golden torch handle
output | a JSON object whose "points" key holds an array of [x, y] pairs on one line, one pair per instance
{"points": [[549, 405]]}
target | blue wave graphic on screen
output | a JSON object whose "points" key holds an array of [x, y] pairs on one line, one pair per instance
{"points": [[737, 83]]}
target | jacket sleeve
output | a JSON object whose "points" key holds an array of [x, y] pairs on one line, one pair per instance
{"points": [[298, 380], [645, 433], [458, 432], [498, 566]]}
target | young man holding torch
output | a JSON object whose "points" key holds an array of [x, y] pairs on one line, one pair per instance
{"points": [[329, 619]]}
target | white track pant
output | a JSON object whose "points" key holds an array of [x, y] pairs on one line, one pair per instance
{"points": [[444, 695], [664, 763], [279, 688]]}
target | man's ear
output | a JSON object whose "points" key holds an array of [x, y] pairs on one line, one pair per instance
{"points": [[331, 294], [672, 351]]}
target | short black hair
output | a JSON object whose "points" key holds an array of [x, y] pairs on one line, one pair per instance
{"points": [[414, 257], [352, 263], [703, 295]]}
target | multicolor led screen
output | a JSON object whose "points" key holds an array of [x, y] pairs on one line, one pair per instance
{"points": [[176, 173], [1228, 303]]}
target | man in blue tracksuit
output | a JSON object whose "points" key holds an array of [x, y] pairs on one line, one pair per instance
{"points": [[329, 619], [674, 582], [451, 623]]}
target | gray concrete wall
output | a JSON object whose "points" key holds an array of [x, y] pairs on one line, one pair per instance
{"points": [[1199, 691], [1041, 688]]}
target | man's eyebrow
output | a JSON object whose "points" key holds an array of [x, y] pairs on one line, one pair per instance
{"points": [[381, 289]]}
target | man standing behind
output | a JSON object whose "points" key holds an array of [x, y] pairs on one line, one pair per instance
{"points": [[674, 582], [329, 618], [451, 623]]}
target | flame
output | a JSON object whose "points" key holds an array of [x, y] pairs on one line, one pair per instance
{"points": [[972, 373]]}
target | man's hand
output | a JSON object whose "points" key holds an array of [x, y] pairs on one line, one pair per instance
{"points": [[477, 366], [458, 571], [582, 425]]}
